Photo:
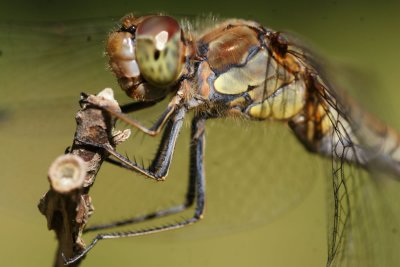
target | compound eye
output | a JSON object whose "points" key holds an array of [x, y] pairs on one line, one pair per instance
{"points": [[159, 50], [120, 49]]}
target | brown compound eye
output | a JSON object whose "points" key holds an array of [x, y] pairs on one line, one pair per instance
{"points": [[120, 49], [159, 50], [158, 25]]}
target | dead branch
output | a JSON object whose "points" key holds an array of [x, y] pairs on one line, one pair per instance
{"points": [[67, 205]]}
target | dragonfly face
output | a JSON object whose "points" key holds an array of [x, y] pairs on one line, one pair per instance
{"points": [[147, 55]]}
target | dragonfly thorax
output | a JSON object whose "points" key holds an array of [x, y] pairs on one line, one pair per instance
{"points": [[240, 71]]}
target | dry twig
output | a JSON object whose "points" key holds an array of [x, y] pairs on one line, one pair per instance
{"points": [[67, 205]]}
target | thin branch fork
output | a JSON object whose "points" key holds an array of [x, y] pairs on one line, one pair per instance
{"points": [[67, 205]]}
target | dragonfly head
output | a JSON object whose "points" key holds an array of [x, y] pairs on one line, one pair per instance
{"points": [[147, 55]]}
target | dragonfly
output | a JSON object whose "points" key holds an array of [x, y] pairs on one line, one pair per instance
{"points": [[73, 38], [240, 69]]}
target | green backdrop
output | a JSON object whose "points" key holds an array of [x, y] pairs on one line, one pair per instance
{"points": [[50, 51]]}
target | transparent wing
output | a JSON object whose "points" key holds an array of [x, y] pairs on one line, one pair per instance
{"points": [[362, 221], [363, 218]]}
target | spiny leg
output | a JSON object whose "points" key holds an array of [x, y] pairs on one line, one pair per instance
{"points": [[159, 167], [196, 170], [189, 198], [157, 126], [136, 106], [127, 108]]}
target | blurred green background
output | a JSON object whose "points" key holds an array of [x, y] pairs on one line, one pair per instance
{"points": [[266, 206]]}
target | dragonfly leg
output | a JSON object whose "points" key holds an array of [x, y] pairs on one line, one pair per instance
{"points": [[153, 130], [159, 167], [189, 200], [136, 106], [196, 172]]}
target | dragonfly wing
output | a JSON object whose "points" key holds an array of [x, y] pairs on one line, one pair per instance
{"points": [[359, 231], [360, 219]]}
